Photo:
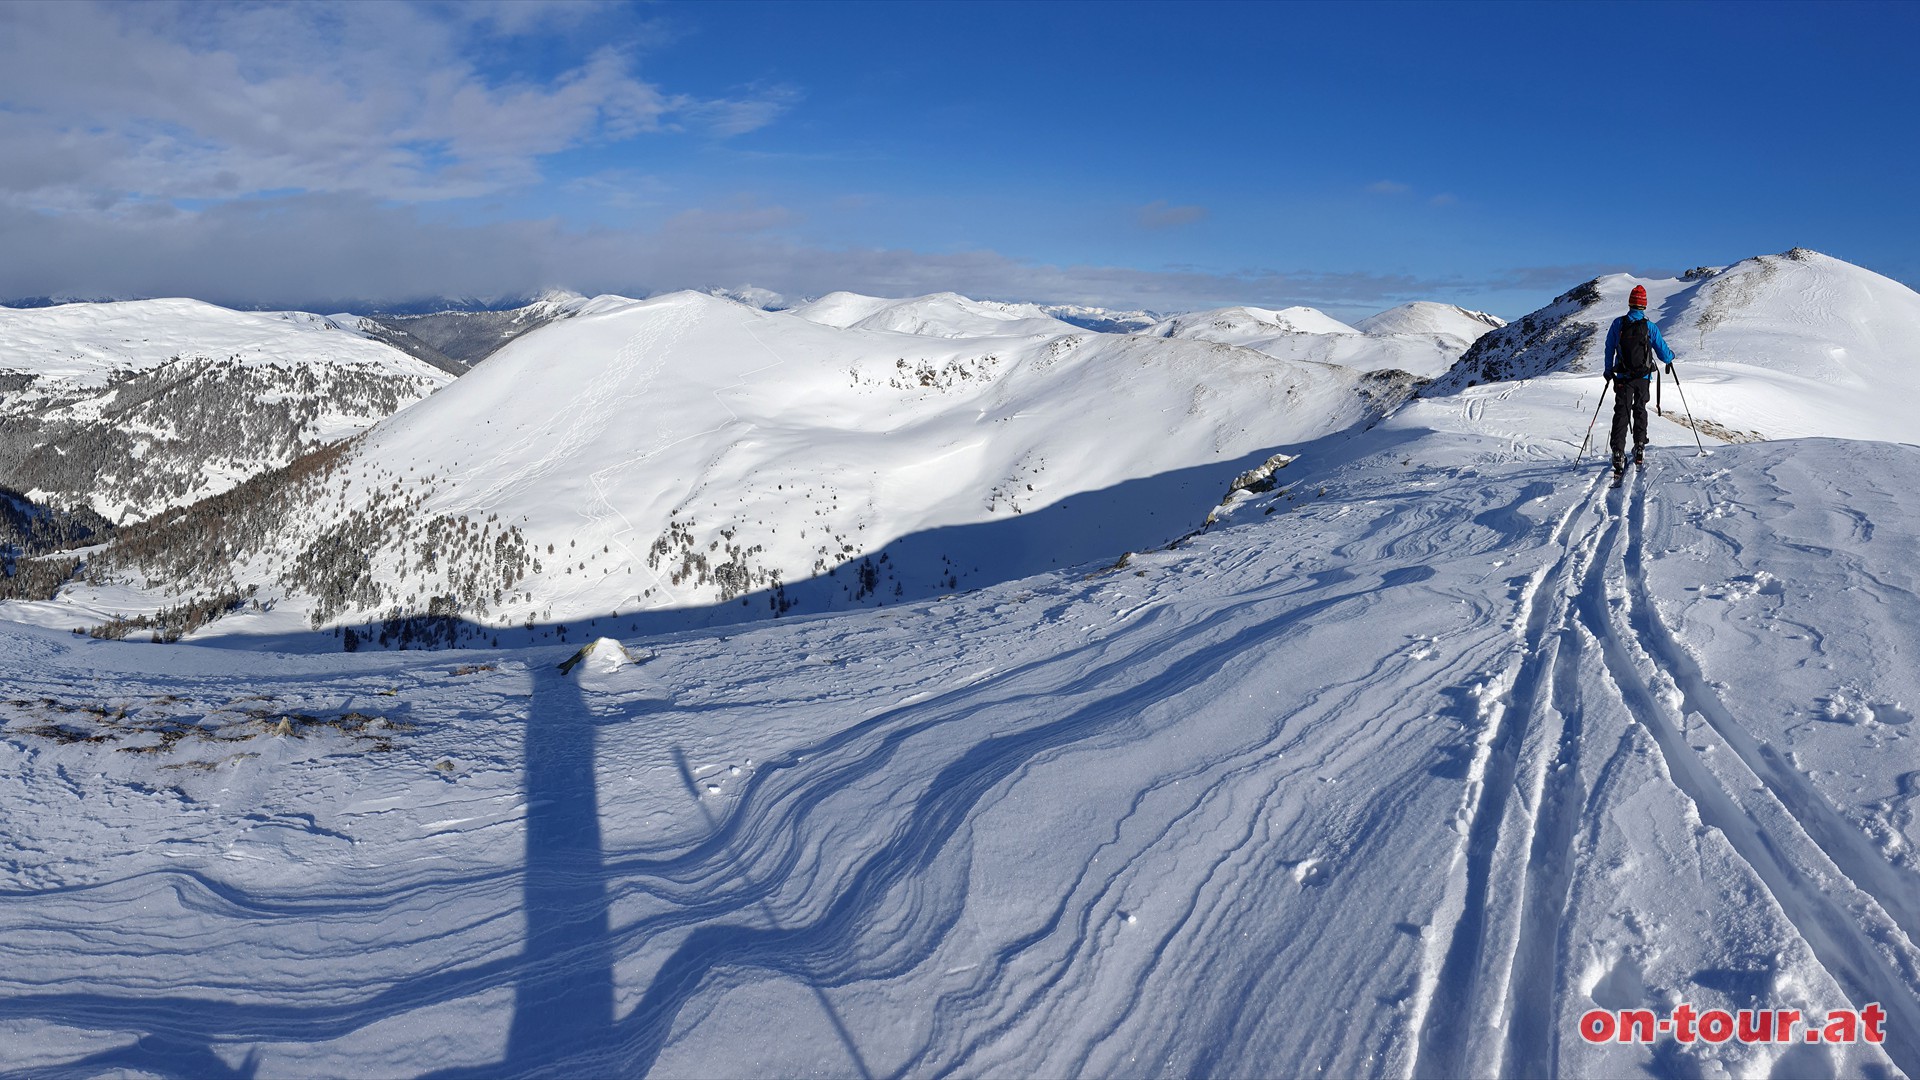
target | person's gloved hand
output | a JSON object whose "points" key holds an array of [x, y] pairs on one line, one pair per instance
{"points": [[1670, 368]]}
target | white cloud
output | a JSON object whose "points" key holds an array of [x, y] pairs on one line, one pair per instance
{"points": [[111, 105]]}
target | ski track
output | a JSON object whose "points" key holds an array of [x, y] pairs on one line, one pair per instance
{"points": [[1478, 967], [1500, 973], [1770, 817]]}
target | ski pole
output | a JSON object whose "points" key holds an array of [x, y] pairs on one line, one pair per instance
{"points": [[1683, 404], [1604, 387]]}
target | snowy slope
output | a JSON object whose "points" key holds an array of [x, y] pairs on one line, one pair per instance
{"points": [[689, 452], [1777, 346], [132, 407], [1396, 780], [947, 315], [86, 345]]}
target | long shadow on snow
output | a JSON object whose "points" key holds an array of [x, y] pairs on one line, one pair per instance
{"points": [[563, 1018], [565, 994]]}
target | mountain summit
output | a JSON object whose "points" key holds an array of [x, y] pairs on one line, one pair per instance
{"points": [[1778, 346]]}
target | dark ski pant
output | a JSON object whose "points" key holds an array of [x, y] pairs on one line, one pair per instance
{"points": [[1629, 403]]}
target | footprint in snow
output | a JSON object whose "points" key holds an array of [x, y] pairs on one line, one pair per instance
{"points": [[1745, 587], [1849, 705]]}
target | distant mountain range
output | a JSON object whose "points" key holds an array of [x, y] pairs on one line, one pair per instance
{"points": [[689, 452]]}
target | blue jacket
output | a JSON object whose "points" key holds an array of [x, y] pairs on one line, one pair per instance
{"points": [[1613, 341]]}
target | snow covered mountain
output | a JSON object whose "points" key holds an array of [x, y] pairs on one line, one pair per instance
{"points": [[1426, 318], [1425, 748], [1777, 346], [752, 296], [1250, 327], [947, 315], [944, 313], [692, 452], [130, 408], [1412, 338], [1104, 320]]}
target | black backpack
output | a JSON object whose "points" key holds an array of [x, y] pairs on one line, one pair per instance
{"points": [[1636, 350]]}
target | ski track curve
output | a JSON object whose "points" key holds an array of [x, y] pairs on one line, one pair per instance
{"points": [[1844, 898]]}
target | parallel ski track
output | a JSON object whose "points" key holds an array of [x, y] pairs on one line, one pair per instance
{"points": [[1850, 848], [1492, 1008], [1502, 961], [1853, 937], [1498, 927]]}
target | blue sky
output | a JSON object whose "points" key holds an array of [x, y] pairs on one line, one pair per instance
{"points": [[1170, 156]]}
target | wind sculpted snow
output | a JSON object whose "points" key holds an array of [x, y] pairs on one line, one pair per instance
{"points": [[1397, 779]]}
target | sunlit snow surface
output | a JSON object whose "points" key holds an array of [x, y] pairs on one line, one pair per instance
{"points": [[1397, 779]]}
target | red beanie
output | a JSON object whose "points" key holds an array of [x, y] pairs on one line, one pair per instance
{"points": [[1638, 297]]}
